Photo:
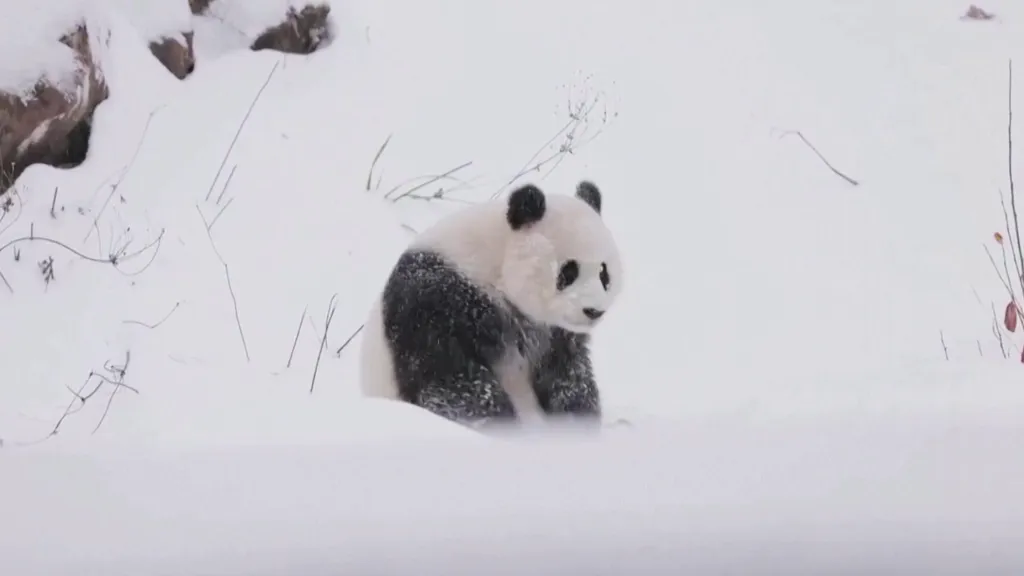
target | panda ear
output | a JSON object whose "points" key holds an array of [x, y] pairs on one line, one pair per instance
{"points": [[588, 192], [526, 205]]}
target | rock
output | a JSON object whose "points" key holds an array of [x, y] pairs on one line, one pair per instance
{"points": [[176, 54], [50, 125], [301, 32], [198, 6]]}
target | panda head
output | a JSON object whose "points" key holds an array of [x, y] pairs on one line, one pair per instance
{"points": [[561, 264]]}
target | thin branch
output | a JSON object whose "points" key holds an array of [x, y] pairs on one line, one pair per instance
{"points": [[945, 350], [157, 325], [227, 184], [221, 211], [231, 289], [1014, 249], [348, 340], [579, 115], [998, 333], [428, 182], [119, 371], [123, 175], [331, 307], [1006, 284], [820, 156], [1009, 147], [369, 176], [238, 132], [296, 341]]}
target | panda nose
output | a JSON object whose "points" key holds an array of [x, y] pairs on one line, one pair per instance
{"points": [[593, 313]]}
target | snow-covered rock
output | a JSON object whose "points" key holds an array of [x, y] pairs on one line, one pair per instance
{"points": [[166, 28], [45, 116], [301, 32], [293, 26]]}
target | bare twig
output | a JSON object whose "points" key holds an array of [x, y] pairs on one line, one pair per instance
{"points": [[429, 179], [231, 289], [123, 174], [238, 132], [376, 158], [1009, 148], [157, 325], [53, 203], [331, 307], [1004, 281], [221, 211], [945, 350], [998, 332], [1014, 248], [820, 156], [349, 340], [296, 341], [80, 397], [227, 184], [118, 372], [579, 116], [428, 182]]}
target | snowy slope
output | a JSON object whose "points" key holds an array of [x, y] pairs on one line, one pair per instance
{"points": [[815, 315], [815, 495], [759, 280]]}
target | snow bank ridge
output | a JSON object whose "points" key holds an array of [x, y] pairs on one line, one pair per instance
{"points": [[52, 64]]}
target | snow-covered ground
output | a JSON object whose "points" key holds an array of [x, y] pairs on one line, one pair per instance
{"points": [[760, 282]]}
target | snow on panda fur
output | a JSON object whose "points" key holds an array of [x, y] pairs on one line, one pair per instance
{"points": [[487, 315]]}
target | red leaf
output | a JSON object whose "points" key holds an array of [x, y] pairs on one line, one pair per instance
{"points": [[1022, 356], [1010, 316]]}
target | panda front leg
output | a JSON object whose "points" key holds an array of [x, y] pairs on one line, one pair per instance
{"points": [[473, 398], [564, 379]]}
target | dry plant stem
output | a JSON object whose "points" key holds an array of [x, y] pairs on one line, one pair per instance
{"points": [[1006, 270], [428, 182], [157, 325], [227, 184], [945, 350], [578, 115], [221, 211], [241, 126], [998, 333], [231, 289], [113, 259], [820, 156], [331, 307], [376, 158], [123, 175], [119, 372], [79, 397], [1014, 248], [296, 340], [1009, 147], [1005, 282], [349, 340]]}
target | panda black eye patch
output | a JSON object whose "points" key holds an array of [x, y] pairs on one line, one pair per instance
{"points": [[568, 274], [605, 278]]}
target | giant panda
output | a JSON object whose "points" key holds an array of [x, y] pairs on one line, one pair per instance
{"points": [[486, 316]]}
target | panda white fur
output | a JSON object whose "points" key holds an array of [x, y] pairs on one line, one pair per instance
{"points": [[487, 314]]}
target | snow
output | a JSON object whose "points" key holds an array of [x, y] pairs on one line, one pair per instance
{"points": [[762, 287], [815, 495], [30, 47], [156, 20]]}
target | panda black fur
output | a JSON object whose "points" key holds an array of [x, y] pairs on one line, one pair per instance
{"points": [[487, 315]]}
